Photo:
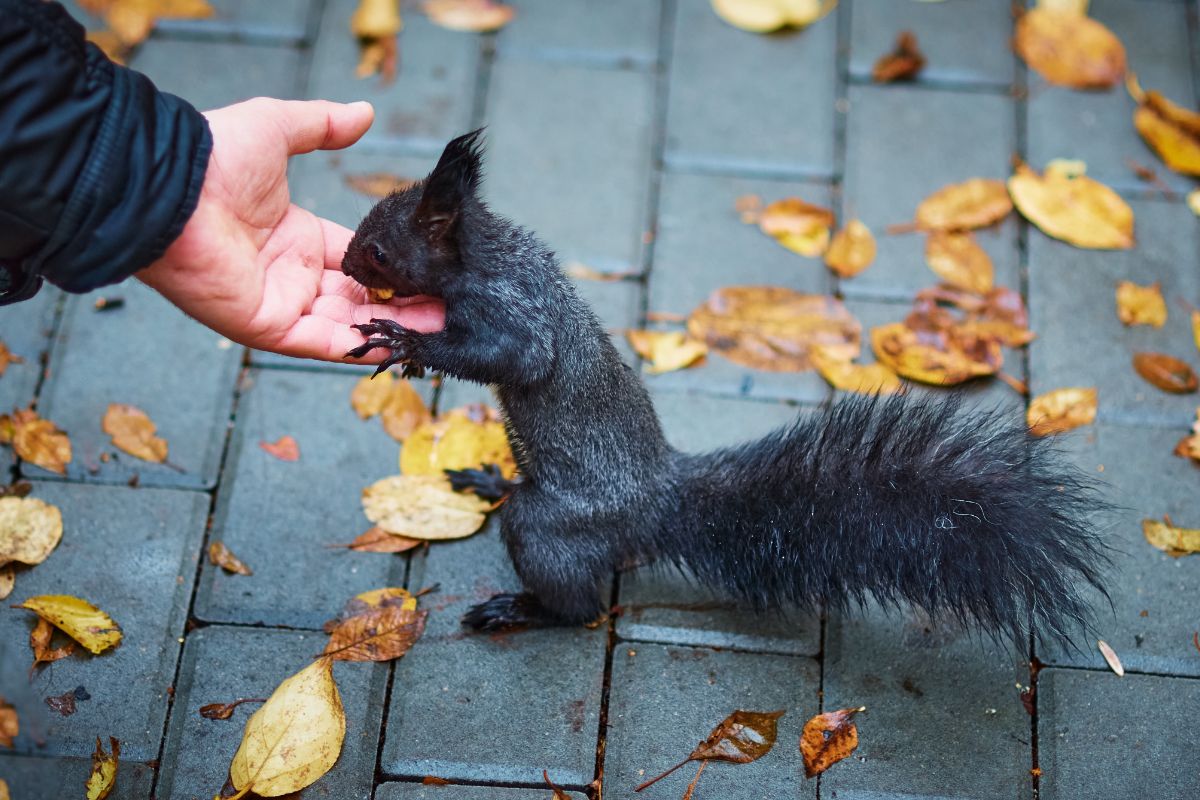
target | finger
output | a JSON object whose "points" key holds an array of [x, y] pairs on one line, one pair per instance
{"points": [[337, 239], [319, 124], [326, 340]]}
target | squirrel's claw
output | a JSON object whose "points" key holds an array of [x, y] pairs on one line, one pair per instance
{"points": [[504, 612], [393, 336]]}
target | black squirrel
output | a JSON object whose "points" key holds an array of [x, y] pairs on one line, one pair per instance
{"points": [[900, 499]]}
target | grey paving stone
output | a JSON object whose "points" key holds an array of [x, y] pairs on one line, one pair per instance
{"points": [[615, 33], [223, 664], [1096, 739], [569, 158], [1154, 596], [416, 791], [272, 20], [506, 706], [31, 778], [902, 144], [730, 112], [131, 553], [183, 376], [26, 330], [1098, 126], [666, 699], [1073, 310], [966, 43], [280, 517], [914, 680], [232, 71], [431, 99]]}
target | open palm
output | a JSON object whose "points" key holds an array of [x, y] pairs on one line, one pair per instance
{"points": [[256, 268]]}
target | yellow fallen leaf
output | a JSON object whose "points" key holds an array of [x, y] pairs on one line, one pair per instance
{"points": [[29, 530], [78, 619], [666, 351], [473, 16], [10, 723], [974, 203], [37, 440], [294, 738], [375, 598], [1171, 130], [1061, 410], [1141, 305], [370, 395], [1110, 656], [8, 579], [1193, 201], [1175, 542], [423, 507], [941, 358], [765, 16], [133, 432], [773, 328], [1069, 49], [104, 769], [858, 378], [852, 250], [462, 438], [1077, 210], [376, 23], [4, 790], [959, 261], [799, 226], [220, 555], [8, 357], [1196, 328]]}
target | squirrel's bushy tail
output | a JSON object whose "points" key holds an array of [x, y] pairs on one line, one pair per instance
{"points": [[900, 500]]}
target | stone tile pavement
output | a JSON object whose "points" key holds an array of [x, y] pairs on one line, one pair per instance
{"points": [[622, 132]]}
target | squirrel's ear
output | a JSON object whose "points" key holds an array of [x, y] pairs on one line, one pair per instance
{"points": [[455, 178]]}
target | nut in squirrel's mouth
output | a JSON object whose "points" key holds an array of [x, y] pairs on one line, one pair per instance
{"points": [[380, 295]]}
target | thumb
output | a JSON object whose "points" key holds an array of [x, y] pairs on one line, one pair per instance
{"points": [[309, 125]]}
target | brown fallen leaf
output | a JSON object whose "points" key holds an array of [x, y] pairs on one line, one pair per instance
{"points": [[220, 555], [104, 769], [376, 24], [740, 738], [433, 780], [1110, 656], [959, 261], [1189, 446], [8, 579], [904, 62], [773, 328], [1174, 541], [62, 704], [133, 432], [423, 507], [285, 448], [1061, 410], [666, 351], [378, 184], [473, 16], [858, 378], [557, 791], [225, 710], [10, 723], [974, 203], [78, 619], [461, 438], [799, 226], [767, 16], [1141, 305], [1069, 49], [388, 596], [39, 643], [827, 739], [851, 251], [749, 208], [1166, 372], [8, 357], [379, 634], [377, 540], [36, 440], [30, 529], [1073, 208], [940, 358], [1172, 131]]}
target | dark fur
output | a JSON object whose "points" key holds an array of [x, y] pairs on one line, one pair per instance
{"points": [[899, 500]]}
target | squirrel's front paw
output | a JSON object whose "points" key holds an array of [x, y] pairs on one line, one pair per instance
{"points": [[504, 612], [395, 337]]}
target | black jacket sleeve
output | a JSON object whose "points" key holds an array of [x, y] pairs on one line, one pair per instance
{"points": [[99, 171]]}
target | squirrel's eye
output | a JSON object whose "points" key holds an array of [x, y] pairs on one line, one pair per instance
{"points": [[377, 256]]}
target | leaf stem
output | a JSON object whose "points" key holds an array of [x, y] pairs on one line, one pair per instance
{"points": [[653, 781]]}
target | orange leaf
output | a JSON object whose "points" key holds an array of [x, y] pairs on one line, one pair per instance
{"points": [[223, 557], [851, 251], [377, 540], [1070, 49], [941, 358], [958, 260], [39, 642], [1173, 132], [740, 738], [827, 739], [1061, 410], [1166, 372], [1141, 305], [666, 351], [133, 432], [36, 440], [286, 449], [974, 203]]}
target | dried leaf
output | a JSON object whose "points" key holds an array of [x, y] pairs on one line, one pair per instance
{"points": [[29, 530], [1193, 201], [285, 448], [462, 438], [104, 769], [380, 634], [4, 790], [766, 16], [851, 251], [799, 226], [1077, 210], [133, 432], [666, 351], [63, 704], [371, 395], [941, 358], [8, 357], [39, 643], [974, 203], [1069, 49], [1175, 542], [740, 738], [827, 739], [10, 723], [474, 16], [132, 20], [77, 618], [959, 261], [295, 738], [857, 378], [1110, 656], [387, 597], [1141, 305], [904, 62], [36, 440], [1172, 131], [223, 557], [8, 579], [378, 184], [773, 328], [225, 710], [1061, 410], [1166, 372], [404, 412], [376, 23], [377, 540], [423, 507]]}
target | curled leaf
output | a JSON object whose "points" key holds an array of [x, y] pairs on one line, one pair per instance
{"points": [[39, 643], [133, 432], [77, 618], [974, 203], [220, 555], [104, 769], [461, 438], [30, 529], [1110, 656], [941, 357], [959, 261], [1166, 372], [377, 540], [851, 251], [1174, 541], [799, 226], [827, 739], [766, 16], [1172, 131], [858, 378], [904, 62], [36, 440], [1061, 410], [1075, 209], [423, 507], [474, 16], [285, 448], [1069, 49], [666, 351], [1141, 305]]}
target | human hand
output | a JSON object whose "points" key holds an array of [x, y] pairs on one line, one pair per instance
{"points": [[259, 270]]}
